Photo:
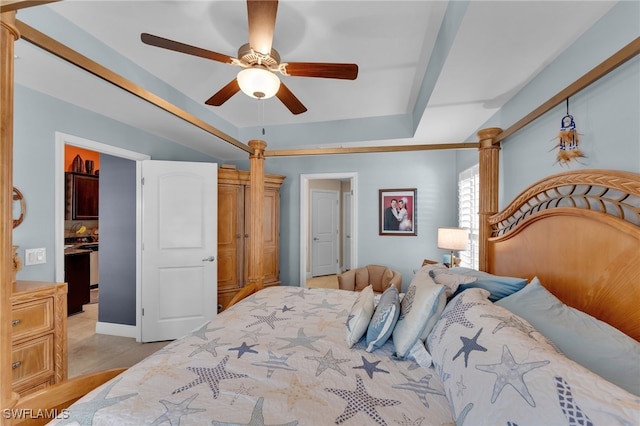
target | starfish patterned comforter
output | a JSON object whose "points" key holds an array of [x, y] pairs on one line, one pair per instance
{"points": [[280, 357]]}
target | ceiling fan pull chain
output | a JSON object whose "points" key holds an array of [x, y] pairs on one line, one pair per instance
{"points": [[261, 101]]}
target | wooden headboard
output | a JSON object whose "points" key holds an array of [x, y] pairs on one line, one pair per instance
{"points": [[579, 233]]}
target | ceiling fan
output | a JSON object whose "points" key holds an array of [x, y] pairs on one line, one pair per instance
{"points": [[259, 61]]}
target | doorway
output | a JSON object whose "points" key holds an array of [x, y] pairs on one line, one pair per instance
{"points": [[325, 232], [62, 139], [306, 182]]}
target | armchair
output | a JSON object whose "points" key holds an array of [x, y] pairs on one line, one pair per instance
{"points": [[380, 277]]}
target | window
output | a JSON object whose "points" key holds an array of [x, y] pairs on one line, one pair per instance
{"points": [[468, 207]]}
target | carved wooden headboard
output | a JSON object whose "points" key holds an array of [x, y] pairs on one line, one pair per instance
{"points": [[579, 233]]}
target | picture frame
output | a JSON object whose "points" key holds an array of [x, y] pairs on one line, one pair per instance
{"points": [[397, 212]]}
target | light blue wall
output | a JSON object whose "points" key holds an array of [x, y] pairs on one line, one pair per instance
{"points": [[36, 119], [432, 173], [607, 113]]}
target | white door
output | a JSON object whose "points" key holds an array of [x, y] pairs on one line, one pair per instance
{"points": [[347, 223], [324, 233], [179, 248]]}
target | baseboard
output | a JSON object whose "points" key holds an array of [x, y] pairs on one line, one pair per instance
{"points": [[113, 329]]}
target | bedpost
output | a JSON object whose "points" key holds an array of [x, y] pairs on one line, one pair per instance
{"points": [[8, 35], [256, 227], [488, 170]]}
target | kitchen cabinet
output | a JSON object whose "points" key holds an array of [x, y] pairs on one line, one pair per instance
{"points": [[81, 196], [38, 335], [234, 210], [77, 274]]}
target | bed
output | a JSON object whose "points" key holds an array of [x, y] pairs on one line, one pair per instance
{"points": [[462, 346]]}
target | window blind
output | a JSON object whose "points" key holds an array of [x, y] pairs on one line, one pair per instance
{"points": [[468, 200]]}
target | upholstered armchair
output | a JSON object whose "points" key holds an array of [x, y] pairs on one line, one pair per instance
{"points": [[380, 277]]}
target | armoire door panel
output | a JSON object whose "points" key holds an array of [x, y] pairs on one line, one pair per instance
{"points": [[234, 214]]}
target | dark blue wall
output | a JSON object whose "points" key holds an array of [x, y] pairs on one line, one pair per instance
{"points": [[117, 240]]}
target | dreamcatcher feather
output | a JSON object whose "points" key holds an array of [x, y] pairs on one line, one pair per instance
{"points": [[567, 141]]}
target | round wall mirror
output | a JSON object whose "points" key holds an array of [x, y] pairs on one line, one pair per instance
{"points": [[19, 207]]}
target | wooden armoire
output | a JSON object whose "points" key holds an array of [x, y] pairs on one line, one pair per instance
{"points": [[234, 211]]}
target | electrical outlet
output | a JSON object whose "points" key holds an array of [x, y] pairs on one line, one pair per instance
{"points": [[35, 256]]}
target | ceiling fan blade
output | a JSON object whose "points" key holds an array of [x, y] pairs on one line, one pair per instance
{"points": [[320, 69], [176, 46], [289, 100], [224, 94], [262, 21]]}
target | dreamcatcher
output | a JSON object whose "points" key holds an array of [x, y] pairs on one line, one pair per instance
{"points": [[568, 140]]}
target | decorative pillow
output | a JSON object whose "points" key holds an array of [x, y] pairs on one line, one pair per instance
{"points": [[498, 286], [448, 278], [494, 372], [360, 315], [420, 309], [384, 319], [588, 341]]}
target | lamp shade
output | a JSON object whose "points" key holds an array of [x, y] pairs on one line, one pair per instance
{"points": [[453, 238], [258, 82]]}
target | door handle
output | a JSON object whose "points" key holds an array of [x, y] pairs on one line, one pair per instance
{"points": [[209, 259], [316, 238]]}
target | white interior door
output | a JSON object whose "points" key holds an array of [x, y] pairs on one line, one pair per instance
{"points": [[179, 248], [347, 223], [324, 232]]}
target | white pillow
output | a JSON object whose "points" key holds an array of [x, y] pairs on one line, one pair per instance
{"points": [[450, 279], [360, 315], [420, 309]]}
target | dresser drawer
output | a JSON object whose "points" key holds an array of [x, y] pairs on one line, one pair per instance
{"points": [[32, 358], [32, 318]]}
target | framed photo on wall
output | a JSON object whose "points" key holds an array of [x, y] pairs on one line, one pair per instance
{"points": [[397, 211]]}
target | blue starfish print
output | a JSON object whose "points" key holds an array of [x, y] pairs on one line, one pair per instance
{"points": [[469, 345], [457, 315], [509, 372], [210, 376], [360, 400], [202, 331], [83, 412], [328, 361], [257, 418], [176, 411], [370, 367], [267, 319], [244, 348], [420, 387], [285, 308], [300, 340]]}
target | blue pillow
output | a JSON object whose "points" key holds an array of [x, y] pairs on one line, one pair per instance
{"points": [[497, 286], [588, 341], [384, 319]]}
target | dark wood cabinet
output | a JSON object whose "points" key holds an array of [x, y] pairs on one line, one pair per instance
{"points": [[77, 273], [81, 195]]}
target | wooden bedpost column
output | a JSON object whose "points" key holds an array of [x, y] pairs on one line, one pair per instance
{"points": [[8, 35], [256, 228], [489, 183]]}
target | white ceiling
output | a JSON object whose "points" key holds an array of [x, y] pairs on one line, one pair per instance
{"points": [[429, 71]]}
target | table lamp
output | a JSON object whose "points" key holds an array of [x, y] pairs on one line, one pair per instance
{"points": [[453, 239]]}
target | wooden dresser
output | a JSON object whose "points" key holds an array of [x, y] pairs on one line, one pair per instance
{"points": [[38, 335], [234, 212]]}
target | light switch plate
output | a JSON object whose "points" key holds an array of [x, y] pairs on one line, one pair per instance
{"points": [[35, 256]]}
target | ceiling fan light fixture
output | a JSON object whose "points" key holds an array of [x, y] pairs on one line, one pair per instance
{"points": [[258, 82]]}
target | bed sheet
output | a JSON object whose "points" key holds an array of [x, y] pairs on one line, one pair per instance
{"points": [[278, 357]]}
